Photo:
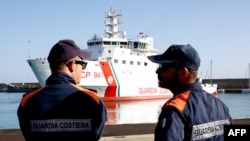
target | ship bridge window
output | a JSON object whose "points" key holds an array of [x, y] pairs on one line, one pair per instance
{"points": [[90, 44], [123, 61], [142, 45], [98, 43], [135, 44], [106, 43], [114, 43], [123, 43]]}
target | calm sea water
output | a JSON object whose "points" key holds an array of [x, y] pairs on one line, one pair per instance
{"points": [[145, 111]]}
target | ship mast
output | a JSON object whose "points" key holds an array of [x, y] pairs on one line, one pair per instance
{"points": [[211, 70], [211, 73], [249, 75], [112, 21]]}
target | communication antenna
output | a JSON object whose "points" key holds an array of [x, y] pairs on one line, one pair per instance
{"points": [[23, 77], [29, 49]]}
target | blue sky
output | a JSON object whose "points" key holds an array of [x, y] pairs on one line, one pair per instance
{"points": [[218, 29]]}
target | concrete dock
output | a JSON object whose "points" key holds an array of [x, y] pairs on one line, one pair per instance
{"points": [[121, 132]]}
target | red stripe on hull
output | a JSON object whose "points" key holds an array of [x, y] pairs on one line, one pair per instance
{"points": [[110, 79]]}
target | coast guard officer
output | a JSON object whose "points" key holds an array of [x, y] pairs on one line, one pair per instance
{"points": [[62, 110], [192, 113]]}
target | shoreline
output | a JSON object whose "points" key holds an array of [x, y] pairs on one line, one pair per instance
{"points": [[119, 132]]}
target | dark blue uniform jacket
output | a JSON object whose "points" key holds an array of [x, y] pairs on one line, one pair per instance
{"points": [[61, 111], [192, 115]]}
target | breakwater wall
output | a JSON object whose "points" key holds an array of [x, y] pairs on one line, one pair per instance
{"points": [[15, 87], [235, 83]]}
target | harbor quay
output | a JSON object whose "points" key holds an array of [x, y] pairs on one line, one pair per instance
{"points": [[229, 85], [119, 132]]}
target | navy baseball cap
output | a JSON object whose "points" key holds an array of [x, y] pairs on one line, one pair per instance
{"points": [[65, 50], [184, 55]]}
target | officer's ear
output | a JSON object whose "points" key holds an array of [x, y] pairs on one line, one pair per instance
{"points": [[183, 74], [71, 65], [183, 71]]}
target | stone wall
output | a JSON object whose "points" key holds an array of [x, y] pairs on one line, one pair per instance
{"points": [[229, 83]]}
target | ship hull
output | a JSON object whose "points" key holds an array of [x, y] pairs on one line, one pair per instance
{"points": [[113, 82]]}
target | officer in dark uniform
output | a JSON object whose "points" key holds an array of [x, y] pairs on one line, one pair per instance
{"points": [[62, 110], [192, 113]]}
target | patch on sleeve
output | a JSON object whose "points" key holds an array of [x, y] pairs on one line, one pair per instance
{"points": [[164, 122]]}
